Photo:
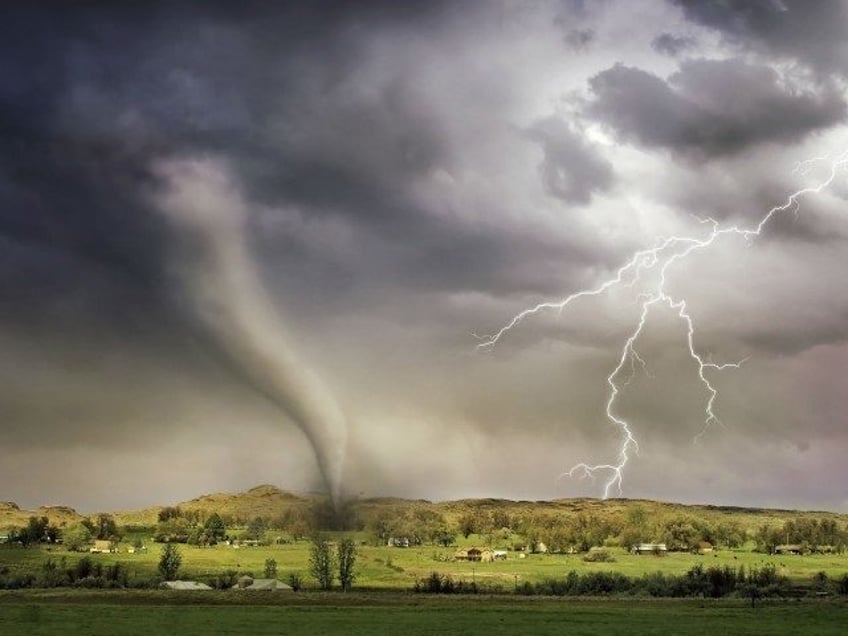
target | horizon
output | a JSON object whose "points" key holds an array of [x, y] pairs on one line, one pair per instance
{"points": [[362, 497], [536, 250]]}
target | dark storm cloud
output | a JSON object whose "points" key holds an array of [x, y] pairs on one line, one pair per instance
{"points": [[571, 170], [672, 45], [407, 173], [812, 33], [92, 95], [710, 108]]}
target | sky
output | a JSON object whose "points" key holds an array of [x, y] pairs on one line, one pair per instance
{"points": [[247, 243]]}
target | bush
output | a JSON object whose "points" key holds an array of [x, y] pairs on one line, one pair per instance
{"points": [[599, 556], [295, 581], [443, 584], [90, 582], [603, 583], [270, 569], [85, 567], [224, 581], [657, 584]]}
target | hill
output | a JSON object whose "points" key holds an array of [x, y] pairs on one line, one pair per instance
{"points": [[270, 502]]}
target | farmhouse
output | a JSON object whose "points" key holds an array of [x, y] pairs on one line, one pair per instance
{"points": [[398, 542], [649, 548], [789, 548], [484, 555], [102, 546]]}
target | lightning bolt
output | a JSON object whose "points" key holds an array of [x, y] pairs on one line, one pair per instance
{"points": [[658, 259]]}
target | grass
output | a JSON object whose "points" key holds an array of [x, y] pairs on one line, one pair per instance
{"points": [[154, 612], [399, 568]]}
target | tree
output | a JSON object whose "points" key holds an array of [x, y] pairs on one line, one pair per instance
{"points": [[468, 524], [346, 559], [256, 528], [170, 562], [76, 537], [174, 530], [35, 531], [270, 569], [106, 528], [321, 563], [215, 528], [169, 512]]}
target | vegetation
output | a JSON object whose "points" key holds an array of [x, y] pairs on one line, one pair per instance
{"points": [[346, 559], [321, 563], [730, 559], [170, 562], [223, 537], [99, 613]]}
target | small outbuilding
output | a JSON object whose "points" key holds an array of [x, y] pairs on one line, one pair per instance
{"points": [[657, 549], [102, 546], [185, 585], [789, 548], [249, 583]]}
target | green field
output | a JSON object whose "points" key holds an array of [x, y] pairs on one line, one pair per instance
{"points": [[158, 612], [383, 601], [399, 568]]}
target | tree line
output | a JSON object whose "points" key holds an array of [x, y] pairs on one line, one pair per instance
{"points": [[710, 582]]}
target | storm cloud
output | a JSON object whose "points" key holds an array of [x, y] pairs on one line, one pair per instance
{"points": [[407, 177], [711, 108], [788, 29]]}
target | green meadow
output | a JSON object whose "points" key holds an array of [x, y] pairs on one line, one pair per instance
{"points": [[399, 568], [806, 593], [150, 613]]}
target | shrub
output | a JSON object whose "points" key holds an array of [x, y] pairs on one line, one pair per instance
{"points": [[295, 581], [224, 580], [170, 561], [270, 569], [599, 556]]}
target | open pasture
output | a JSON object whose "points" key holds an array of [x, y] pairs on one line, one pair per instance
{"points": [[398, 568], [150, 613]]}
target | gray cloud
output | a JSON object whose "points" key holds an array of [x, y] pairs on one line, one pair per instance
{"points": [[672, 45], [571, 170], [579, 39], [710, 108], [811, 33], [408, 174]]}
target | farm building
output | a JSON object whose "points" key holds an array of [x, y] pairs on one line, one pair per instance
{"points": [[788, 549], [248, 583], [484, 555], [102, 546], [649, 548], [398, 542], [185, 585]]}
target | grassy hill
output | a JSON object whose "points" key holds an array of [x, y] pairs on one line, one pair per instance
{"points": [[264, 501], [270, 502]]}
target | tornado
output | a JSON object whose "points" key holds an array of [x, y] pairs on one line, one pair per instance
{"points": [[233, 310]]}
